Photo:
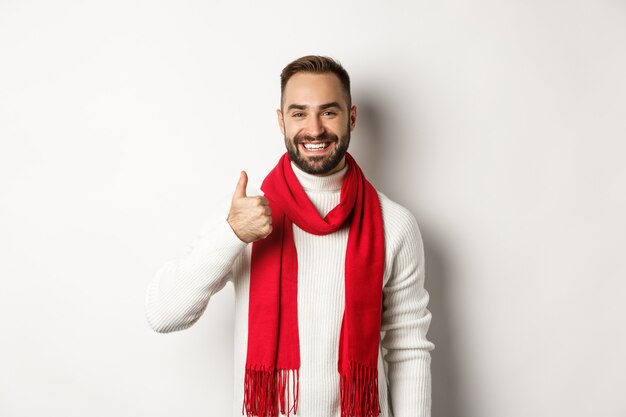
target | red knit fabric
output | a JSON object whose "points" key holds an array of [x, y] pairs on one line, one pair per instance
{"points": [[273, 357]]}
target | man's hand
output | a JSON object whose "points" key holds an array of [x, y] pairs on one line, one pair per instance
{"points": [[249, 217]]}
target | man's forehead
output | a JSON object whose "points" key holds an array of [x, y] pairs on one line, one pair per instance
{"points": [[313, 89]]}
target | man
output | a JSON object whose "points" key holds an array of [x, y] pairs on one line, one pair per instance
{"points": [[321, 263]]}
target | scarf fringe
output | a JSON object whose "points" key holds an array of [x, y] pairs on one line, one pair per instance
{"points": [[268, 391], [359, 392]]}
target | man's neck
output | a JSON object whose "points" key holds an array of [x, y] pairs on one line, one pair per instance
{"points": [[329, 182]]}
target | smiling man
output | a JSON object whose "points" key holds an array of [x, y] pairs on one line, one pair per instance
{"points": [[317, 132], [322, 264]]}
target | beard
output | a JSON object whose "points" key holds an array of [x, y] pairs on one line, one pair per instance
{"points": [[317, 165]]}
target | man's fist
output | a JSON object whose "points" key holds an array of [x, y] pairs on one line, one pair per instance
{"points": [[249, 217]]}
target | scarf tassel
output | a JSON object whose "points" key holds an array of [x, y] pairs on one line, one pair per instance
{"points": [[359, 392], [268, 391]]}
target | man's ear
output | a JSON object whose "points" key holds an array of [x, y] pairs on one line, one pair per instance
{"points": [[281, 121], [352, 117]]}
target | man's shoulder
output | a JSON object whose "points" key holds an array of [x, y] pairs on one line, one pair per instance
{"points": [[394, 211], [399, 221]]}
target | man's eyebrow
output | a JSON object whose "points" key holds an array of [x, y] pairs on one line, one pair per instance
{"points": [[329, 105], [297, 106], [322, 106]]}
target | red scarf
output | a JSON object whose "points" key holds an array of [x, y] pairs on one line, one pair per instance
{"points": [[271, 379]]}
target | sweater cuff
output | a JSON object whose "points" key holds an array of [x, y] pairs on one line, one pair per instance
{"points": [[232, 245]]}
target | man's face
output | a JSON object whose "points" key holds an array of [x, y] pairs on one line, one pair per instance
{"points": [[316, 122]]}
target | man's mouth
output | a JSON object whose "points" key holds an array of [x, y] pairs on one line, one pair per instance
{"points": [[311, 146], [315, 146]]}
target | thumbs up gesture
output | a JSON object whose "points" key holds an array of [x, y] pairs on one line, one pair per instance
{"points": [[249, 217]]}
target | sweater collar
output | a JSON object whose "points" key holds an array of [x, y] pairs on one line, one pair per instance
{"points": [[312, 182]]}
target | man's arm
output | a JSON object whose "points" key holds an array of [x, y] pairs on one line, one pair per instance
{"points": [[406, 321], [179, 292]]}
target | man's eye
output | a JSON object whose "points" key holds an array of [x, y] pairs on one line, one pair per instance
{"points": [[298, 114], [329, 113]]}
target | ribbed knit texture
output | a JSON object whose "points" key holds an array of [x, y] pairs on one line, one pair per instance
{"points": [[179, 292]]}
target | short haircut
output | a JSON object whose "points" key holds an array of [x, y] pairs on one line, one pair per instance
{"points": [[319, 65]]}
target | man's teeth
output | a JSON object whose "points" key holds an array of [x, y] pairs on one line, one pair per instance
{"points": [[316, 145]]}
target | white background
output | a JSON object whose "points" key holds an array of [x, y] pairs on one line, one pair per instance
{"points": [[500, 124]]}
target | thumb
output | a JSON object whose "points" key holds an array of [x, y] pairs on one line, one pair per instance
{"points": [[240, 191]]}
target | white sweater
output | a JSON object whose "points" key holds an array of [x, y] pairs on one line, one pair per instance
{"points": [[179, 292]]}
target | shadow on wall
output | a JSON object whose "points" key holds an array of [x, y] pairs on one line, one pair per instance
{"points": [[444, 367], [372, 145]]}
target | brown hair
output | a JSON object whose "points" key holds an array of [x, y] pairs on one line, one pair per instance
{"points": [[315, 64]]}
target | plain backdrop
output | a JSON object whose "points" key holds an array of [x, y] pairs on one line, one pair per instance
{"points": [[500, 124]]}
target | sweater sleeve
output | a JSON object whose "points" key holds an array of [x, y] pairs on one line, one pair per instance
{"points": [[180, 290], [405, 322]]}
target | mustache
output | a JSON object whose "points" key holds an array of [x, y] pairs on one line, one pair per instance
{"points": [[324, 137]]}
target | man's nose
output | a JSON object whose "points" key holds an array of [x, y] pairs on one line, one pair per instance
{"points": [[315, 126]]}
